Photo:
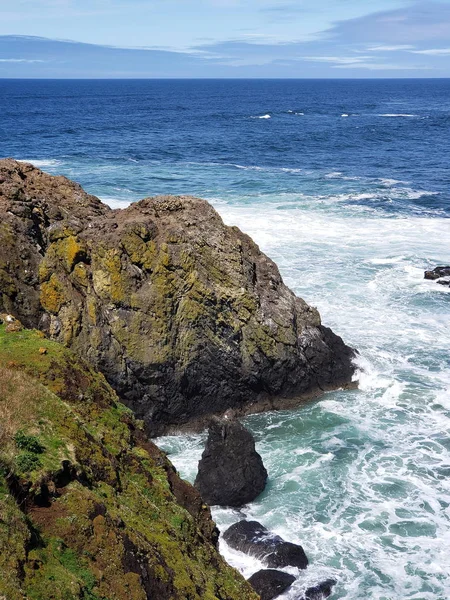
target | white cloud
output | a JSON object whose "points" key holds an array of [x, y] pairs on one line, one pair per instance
{"points": [[381, 67], [433, 52], [20, 60], [390, 48], [341, 60]]}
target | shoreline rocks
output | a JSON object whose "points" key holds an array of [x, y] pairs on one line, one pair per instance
{"points": [[254, 539], [439, 274], [320, 591], [184, 316], [270, 583], [230, 472]]}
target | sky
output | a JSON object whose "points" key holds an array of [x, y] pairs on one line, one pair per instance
{"points": [[225, 38]]}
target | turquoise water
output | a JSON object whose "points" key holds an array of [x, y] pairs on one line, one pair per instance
{"points": [[359, 478], [353, 210]]}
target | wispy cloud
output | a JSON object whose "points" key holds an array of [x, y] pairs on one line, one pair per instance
{"points": [[339, 60], [433, 52], [398, 48], [21, 60], [383, 67]]}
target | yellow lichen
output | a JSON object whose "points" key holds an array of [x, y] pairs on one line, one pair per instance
{"points": [[52, 295]]}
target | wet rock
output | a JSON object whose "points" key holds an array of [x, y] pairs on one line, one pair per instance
{"points": [[253, 538], [320, 591], [185, 316], [445, 282], [230, 472], [270, 583], [437, 273]]}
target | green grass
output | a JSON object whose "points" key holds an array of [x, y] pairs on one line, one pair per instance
{"points": [[53, 408]]}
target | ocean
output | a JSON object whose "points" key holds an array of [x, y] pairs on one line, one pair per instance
{"points": [[346, 185]]}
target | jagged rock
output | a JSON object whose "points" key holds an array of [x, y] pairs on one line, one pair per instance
{"points": [[437, 273], [269, 583], [320, 591], [253, 538], [230, 472], [185, 316]]}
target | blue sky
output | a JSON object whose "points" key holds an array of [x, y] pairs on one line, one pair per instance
{"points": [[224, 38]]}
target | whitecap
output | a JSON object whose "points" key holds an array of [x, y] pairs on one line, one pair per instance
{"points": [[261, 117], [115, 202], [393, 115], [49, 162]]}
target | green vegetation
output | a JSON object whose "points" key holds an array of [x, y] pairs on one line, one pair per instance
{"points": [[88, 506]]}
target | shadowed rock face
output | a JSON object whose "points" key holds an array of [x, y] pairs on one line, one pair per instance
{"points": [[184, 315], [230, 472], [270, 584]]}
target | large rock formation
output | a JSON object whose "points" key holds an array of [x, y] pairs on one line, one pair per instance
{"points": [[230, 472], [184, 316], [253, 538], [89, 508]]}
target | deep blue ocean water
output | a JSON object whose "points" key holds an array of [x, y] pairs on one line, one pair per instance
{"points": [[346, 185]]}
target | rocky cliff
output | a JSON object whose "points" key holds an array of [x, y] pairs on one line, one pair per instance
{"points": [[184, 316], [89, 508]]}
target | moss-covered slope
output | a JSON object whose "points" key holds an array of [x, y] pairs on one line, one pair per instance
{"points": [[88, 508]]}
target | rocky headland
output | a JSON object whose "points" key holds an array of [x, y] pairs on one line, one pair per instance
{"points": [[184, 316]]}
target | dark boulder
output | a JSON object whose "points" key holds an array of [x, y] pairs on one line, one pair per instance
{"points": [[230, 472], [253, 538], [437, 273], [320, 591], [269, 583]]}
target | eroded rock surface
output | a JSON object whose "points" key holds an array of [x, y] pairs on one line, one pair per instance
{"points": [[185, 316], [230, 472]]}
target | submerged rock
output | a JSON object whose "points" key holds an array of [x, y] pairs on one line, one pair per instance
{"points": [[185, 316], [320, 591], [230, 472], [270, 583], [253, 538], [437, 273]]}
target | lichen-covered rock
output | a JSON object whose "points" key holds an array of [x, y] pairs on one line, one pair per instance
{"points": [[184, 315], [230, 471], [89, 508]]}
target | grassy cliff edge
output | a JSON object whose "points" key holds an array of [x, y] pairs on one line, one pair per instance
{"points": [[89, 508]]}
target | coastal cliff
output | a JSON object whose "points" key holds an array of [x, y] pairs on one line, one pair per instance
{"points": [[184, 316], [89, 508]]}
